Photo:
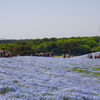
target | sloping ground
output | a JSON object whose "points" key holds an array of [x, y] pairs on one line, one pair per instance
{"points": [[46, 78]]}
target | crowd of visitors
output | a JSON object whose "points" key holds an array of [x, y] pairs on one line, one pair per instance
{"points": [[46, 54], [5, 54], [95, 56], [67, 56]]}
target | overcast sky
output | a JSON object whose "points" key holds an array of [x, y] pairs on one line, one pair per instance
{"points": [[32, 19]]}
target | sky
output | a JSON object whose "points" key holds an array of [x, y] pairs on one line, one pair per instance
{"points": [[38, 19]]}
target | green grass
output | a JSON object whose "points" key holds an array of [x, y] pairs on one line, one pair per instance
{"points": [[90, 73], [59, 56], [81, 71], [96, 69]]}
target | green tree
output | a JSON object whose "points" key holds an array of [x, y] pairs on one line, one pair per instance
{"points": [[40, 48], [65, 47], [91, 43], [85, 49], [59, 45]]}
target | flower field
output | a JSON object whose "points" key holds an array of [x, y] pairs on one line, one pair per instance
{"points": [[48, 78]]}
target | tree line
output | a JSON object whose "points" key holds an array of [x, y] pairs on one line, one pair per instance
{"points": [[73, 45]]}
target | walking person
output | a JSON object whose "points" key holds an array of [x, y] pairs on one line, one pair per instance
{"points": [[9, 53], [3, 52]]}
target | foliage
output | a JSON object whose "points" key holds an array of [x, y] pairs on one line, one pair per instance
{"points": [[74, 45]]}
